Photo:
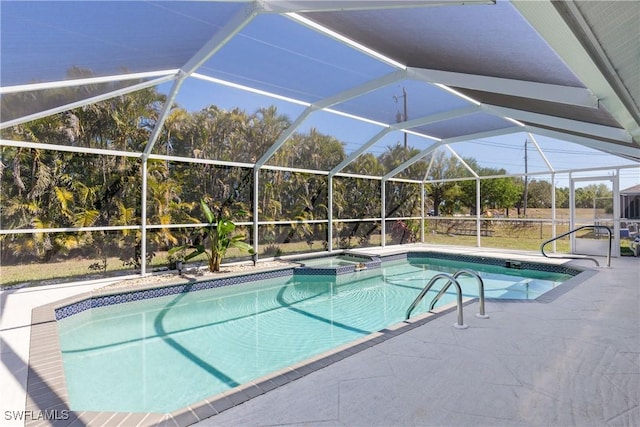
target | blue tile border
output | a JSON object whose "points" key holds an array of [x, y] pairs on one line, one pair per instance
{"points": [[374, 262], [501, 262], [138, 295]]}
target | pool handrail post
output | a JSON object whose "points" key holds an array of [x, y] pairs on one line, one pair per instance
{"points": [[481, 313], [460, 324], [595, 226]]}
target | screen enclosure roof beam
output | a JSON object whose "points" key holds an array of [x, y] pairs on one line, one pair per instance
{"points": [[547, 20]]}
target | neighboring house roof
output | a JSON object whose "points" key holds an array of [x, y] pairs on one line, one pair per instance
{"points": [[635, 190]]}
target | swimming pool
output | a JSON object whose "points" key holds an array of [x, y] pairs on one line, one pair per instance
{"points": [[164, 353]]}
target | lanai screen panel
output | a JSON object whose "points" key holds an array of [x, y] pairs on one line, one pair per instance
{"points": [[615, 24], [517, 155], [51, 189], [294, 61], [493, 40], [329, 138], [23, 104], [214, 121], [46, 41], [43, 40], [386, 104], [121, 124], [565, 156], [467, 125]]}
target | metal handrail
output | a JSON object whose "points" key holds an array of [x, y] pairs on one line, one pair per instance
{"points": [[460, 324], [580, 257], [481, 314]]}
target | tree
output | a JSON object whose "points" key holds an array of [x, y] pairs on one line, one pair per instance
{"points": [[562, 198], [495, 193], [265, 127], [444, 193], [401, 199], [595, 196], [539, 194]]}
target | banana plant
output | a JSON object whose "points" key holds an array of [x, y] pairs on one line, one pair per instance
{"points": [[214, 240]]}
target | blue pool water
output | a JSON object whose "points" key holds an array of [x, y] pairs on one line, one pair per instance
{"points": [[161, 354]]}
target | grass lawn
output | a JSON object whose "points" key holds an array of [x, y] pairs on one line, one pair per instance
{"points": [[506, 235]]}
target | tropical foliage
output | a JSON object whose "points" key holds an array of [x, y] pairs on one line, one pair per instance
{"points": [[75, 189], [213, 240]]}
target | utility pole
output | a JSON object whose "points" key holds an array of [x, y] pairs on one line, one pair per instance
{"points": [[404, 116], [526, 179]]}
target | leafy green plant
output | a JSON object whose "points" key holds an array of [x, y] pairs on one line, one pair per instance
{"points": [[99, 266], [214, 240], [175, 259]]}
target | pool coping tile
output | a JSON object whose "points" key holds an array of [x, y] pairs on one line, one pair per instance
{"points": [[221, 403], [184, 417], [203, 410]]}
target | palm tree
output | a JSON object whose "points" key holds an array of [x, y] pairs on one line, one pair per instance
{"points": [[265, 127]]}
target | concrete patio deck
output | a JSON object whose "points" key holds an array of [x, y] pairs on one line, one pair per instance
{"points": [[572, 358]]}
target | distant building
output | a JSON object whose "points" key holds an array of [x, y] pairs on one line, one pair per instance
{"points": [[630, 202]]}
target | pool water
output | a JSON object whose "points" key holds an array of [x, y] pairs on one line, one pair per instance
{"points": [[162, 354]]}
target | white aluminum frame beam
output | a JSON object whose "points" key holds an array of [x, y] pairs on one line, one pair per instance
{"points": [[324, 104], [434, 118], [542, 154], [364, 147], [413, 160], [617, 149], [545, 18], [421, 121], [221, 38], [461, 160], [484, 134], [68, 148], [570, 125], [201, 161], [280, 6], [68, 229], [284, 136], [524, 89], [428, 172], [249, 89], [86, 101], [87, 81]]}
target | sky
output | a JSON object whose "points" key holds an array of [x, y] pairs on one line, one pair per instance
{"points": [[507, 151]]}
